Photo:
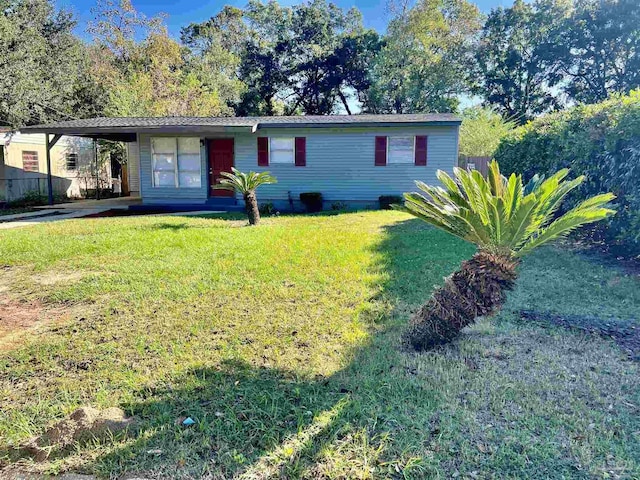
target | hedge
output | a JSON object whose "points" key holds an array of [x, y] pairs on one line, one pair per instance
{"points": [[601, 141]]}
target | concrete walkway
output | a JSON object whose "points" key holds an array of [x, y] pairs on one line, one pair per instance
{"points": [[55, 215], [28, 219], [119, 203]]}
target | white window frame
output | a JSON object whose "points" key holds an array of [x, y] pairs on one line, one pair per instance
{"points": [[185, 170], [413, 150], [293, 151], [176, 167]]}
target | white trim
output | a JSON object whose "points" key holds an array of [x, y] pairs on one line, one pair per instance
{"points": [[413, 155], [293, 150], [176, 166]]}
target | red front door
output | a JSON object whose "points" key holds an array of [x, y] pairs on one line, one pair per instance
{"points": [[220, 160]]}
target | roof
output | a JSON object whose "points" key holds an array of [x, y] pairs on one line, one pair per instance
{"points": [[103, 126]]}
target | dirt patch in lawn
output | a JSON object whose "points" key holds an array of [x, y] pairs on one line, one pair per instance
{"points": [[625, 333], [84, 425], [15, 315], [18, 318]]}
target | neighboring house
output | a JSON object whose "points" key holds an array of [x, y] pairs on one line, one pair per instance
{"points": [[23, 166], [348, 158]]}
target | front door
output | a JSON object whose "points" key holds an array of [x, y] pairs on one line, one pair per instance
{"points": [[220, 160]]}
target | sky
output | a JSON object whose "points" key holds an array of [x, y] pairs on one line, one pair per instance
{"points": [[183, 12]]}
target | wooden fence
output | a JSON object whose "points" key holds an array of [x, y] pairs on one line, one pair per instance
{"points": [[475, 163], [12, 189]]}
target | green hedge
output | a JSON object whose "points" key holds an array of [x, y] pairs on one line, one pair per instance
{"points": [[601, 141]]}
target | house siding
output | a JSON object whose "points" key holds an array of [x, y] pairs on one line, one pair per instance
{"points": [[16, 182], [339, 164]]}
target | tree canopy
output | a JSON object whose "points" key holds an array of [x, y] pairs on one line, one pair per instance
{"points": [[43, 69], [315, 58], [425, 62]]}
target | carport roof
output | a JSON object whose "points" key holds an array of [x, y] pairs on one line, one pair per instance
{"points": [[125, 128]]}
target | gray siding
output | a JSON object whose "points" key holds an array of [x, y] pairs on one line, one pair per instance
{"points": [[340, 165]]}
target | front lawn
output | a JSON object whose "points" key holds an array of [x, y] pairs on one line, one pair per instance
{"points": [[282, 343]]}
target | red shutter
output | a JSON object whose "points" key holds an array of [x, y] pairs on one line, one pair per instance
{"points": [[381, 151], [301, 151], [421, 150], [263, 151]]}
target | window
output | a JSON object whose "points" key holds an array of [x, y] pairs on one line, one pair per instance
{"points": [[30, 161], [189, 162], [176, 162], [401, 150], [72, 161], [281, 150]]}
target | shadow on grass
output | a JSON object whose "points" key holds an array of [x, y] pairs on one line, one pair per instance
{"points": [[257, 422]]}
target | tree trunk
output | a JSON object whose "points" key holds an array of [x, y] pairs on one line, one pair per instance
{"points": [[251, 205], [477, 289]]}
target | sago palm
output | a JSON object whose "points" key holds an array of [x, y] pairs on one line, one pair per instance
{"points": [[506, 220], [246, 183]]}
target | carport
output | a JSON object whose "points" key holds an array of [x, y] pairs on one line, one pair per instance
{"points": [[127, 129]]}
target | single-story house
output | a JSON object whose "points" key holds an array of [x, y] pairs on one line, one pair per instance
{"points": [[23, 166], [348, 158]]}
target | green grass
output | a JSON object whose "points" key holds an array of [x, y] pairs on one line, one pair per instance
{"points": [[282, 342]]}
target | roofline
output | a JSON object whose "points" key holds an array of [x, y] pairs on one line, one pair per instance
{"points": [[226, 128], [430, 123], [100, 131]]}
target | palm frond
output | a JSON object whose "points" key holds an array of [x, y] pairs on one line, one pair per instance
{"points": [[243, 182], [502, 214]]}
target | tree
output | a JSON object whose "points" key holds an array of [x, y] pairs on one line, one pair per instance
{"points": [[327, 58], [311, 58], [246, 184], [44, 70], [597, 49], [506, 220], [214, 53], [155, 76], [515, 69], [481, 131], [253, 42], [425, 61]]}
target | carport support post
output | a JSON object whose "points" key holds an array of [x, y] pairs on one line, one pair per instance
{"points": [[49, 144]]}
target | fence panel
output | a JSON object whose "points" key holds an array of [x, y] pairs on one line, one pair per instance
{"points": [[475, 163], [12, 189]]}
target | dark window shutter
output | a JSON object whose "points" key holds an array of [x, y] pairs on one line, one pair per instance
{"points": [[263, 151], [301, 151], [421, 150], [381, 151]]}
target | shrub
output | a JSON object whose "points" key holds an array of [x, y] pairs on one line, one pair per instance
{"points": [[339, 206], [35, 198], [481, 131], [387, 200], [601, 141], [312, 201], [267, 208]]}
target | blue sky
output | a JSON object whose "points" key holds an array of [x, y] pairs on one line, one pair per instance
{"points": [[183, 12]]}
